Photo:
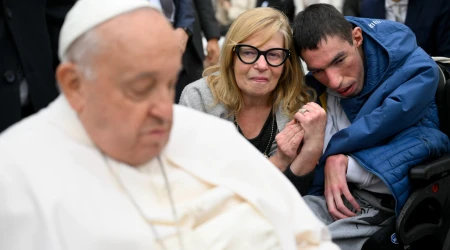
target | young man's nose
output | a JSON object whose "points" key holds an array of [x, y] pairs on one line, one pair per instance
{"points": [[334, 78]]}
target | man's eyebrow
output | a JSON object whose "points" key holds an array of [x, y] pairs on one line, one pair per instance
{"points": [[337, 57]]}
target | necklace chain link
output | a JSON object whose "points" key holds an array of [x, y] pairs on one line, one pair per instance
{"points": [[266, 153]]}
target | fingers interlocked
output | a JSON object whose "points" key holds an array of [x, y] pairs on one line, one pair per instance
{"points": [[288, 141], [312, 118]]}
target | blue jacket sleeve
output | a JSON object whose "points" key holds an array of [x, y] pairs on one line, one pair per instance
{"points": [[391, 162], [184, 15]]}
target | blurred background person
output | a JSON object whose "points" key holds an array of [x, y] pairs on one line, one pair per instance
{"points": [[429, 22], [258, 85], [302, 4], [29, 32], [194, 58], [228, 10], [181, 14], [285, 6]]}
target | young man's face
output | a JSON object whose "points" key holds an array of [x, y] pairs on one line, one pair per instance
{"points": [[337, 64]]}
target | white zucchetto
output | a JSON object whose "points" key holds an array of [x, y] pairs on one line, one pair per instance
{"points": [[87, 14]]}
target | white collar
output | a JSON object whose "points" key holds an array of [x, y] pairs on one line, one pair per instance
{"points": [[61, 114]]}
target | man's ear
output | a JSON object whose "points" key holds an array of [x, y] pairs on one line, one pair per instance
{"points": [[70, 83], [357, 36]]}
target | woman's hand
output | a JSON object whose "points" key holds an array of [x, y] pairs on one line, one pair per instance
{"points": [[288, 141], [313, 119]]}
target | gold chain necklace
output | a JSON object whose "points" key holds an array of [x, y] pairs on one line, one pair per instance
{"points": [[139, 209], [266, 153]]}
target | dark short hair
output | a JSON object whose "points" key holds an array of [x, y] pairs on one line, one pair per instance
{"points": [[316, 23]]}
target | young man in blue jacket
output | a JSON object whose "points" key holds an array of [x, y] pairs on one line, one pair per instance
{"points": [[382, 118]]}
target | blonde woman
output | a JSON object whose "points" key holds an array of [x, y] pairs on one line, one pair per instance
{"points": [[259, 86]]}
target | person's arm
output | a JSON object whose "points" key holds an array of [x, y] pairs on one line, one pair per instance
{"points": [[300, 145], [336, 187], [207, 19], [210, 28], [301, 171], [301, 183], [288, 142], [313, 121], [407, 149], [184, 22], [213, 51]]}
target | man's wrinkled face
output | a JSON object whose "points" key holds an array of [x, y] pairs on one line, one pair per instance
{"points": [[337, 64], [127, 106]]}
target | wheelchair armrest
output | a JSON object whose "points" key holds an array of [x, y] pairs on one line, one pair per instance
{"points": [[431, 170], [425, 212]]}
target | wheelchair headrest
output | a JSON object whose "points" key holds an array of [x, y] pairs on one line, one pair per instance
{"points": [[443, 98]]}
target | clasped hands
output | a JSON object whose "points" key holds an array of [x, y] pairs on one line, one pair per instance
{"points": [[307, 128]]}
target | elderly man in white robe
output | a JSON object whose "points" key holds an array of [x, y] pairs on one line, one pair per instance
{"points": [[103, 168]]}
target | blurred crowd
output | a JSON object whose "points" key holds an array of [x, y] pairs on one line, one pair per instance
{"points": [[29, 39], [29, 33], [338, 97]]}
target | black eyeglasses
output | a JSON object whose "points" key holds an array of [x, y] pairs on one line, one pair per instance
{"points": [[249, 54]]}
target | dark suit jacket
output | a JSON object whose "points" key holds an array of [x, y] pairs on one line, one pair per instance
{"points": [[205, 21], [184, 14], [29, 31], [429, 20], [285, 6]]}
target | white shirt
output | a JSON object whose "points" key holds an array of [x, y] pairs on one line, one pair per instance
{"points": [[396, 10], [336, 121], [59, 192], [158, 3]]}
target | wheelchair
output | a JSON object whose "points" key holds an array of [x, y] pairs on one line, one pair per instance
{"points": [[424, 222]]}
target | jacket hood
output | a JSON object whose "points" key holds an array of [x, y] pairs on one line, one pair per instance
{"points": [[386, 46]]}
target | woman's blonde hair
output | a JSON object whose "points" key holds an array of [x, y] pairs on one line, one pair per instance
{"points": [[290, 92]]}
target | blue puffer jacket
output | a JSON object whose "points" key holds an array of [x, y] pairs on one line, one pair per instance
{"points": [[394, 118]]}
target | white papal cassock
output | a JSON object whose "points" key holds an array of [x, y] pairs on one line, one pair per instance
{"points": [[58, 191]]}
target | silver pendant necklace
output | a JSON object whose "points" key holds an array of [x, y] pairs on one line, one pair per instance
{"points": [[139, 209], [265, 153]]}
